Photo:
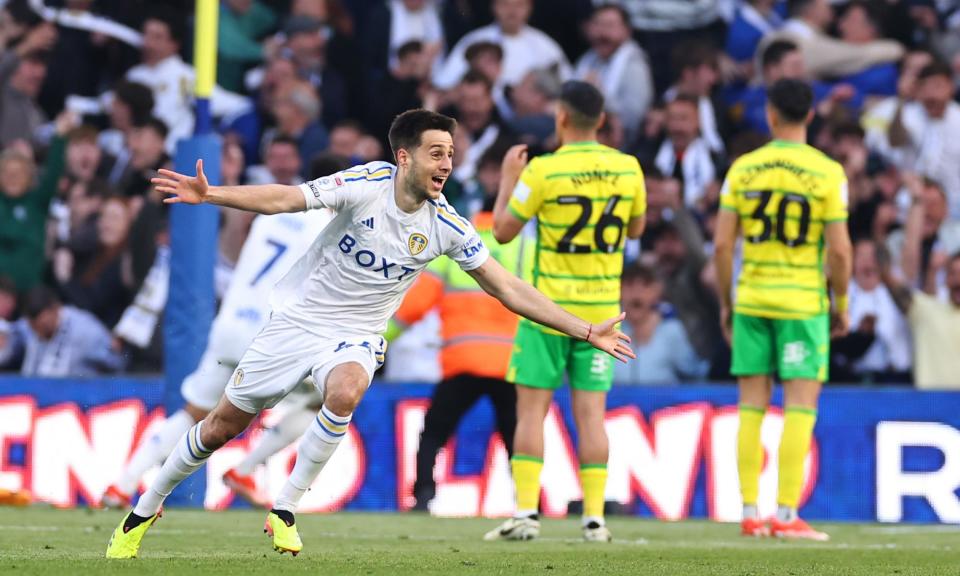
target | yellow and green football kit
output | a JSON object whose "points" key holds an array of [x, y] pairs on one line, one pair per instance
{"points": [[785, 195], [583, 197]]}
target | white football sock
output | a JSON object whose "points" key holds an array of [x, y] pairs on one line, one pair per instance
{"points": [[786, 513], [154, 450], [275, 439], [751, 511], [188, 456], [316, 447]]}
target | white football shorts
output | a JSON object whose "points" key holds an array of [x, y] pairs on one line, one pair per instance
{"points": [[283, 354]]}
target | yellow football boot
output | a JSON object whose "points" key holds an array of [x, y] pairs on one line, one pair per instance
{"points": [[285, 538], [126, 543]]}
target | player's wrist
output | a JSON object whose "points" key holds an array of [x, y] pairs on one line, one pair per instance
{"points": [[589, 333], [841, 303]]}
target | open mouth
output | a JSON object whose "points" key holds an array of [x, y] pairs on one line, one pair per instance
{"points": [[438, 182]]}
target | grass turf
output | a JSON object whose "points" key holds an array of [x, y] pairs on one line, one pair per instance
{"points": [[57, 542]]}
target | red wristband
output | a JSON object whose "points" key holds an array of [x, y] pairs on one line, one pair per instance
{"points": [[589, 332]]}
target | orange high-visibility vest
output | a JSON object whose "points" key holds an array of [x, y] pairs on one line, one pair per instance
{"points": [[476, 329]]}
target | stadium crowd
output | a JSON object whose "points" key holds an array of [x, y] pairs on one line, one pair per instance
{"points": [[94, 95]]}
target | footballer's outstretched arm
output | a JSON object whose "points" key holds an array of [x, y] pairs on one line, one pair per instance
{"points": [[523, 299], [265, 199]]}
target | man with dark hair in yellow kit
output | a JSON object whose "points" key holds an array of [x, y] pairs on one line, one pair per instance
{"points": [[587, 199], [790, 203]]}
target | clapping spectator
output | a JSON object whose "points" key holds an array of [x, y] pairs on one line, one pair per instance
{"points": [[925, 132], [878, 346]]}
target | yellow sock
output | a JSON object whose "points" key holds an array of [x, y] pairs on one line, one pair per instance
{"points": [[526, 480], [593, 480], [794, 444], [750, 452]]}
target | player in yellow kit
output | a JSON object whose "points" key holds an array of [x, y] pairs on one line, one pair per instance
{"points": [[790, 203], [587, 199]]}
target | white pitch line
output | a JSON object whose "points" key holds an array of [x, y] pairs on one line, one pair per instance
{"points": [[936, 529]]}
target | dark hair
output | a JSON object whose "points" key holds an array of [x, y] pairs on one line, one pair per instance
{"points": [[638, 272], [584, 102], [169, 17], [38, 299], [936, 68], [873, 17], [774, 53], [407, 128], [694, 54], [846, 128], [686, 98], [157, 125], [791, 99], [795, 7], [407, 48], [618, 8], [283, 139], [478, 48], [350, 124], [327, 163], [477, 77], [138, 97]]}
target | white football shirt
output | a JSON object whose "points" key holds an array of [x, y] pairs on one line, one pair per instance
{"points": [[355, 274], [274, 244]]}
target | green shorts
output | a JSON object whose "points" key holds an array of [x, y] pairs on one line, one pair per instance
{"points": [[796, 349], [539, 360]]}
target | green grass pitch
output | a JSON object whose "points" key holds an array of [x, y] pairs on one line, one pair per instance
{"points": [[68, 542]]}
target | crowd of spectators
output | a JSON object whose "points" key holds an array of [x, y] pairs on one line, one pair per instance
{"points": [[95, 94]]}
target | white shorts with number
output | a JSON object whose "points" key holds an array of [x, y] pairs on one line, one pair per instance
{"points": [[283, 354]]}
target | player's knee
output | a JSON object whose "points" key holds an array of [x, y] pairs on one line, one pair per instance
{"points": [[343, 396], [217, 431]]}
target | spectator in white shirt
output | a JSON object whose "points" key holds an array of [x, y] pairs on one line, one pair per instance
{"points": [[524, 48], [926, 133], [618, 66], [877, 119], [172, 80], [874, 314]]}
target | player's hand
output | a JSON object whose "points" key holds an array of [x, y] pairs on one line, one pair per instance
{"points": [[514, 162], [606, 337], [839, 323], [726, 324], [182, 188]]}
